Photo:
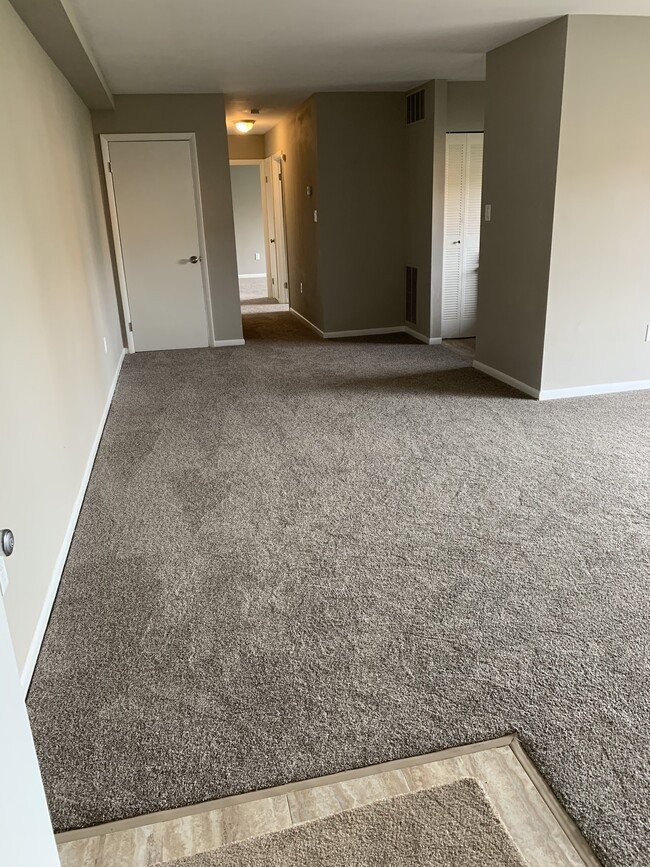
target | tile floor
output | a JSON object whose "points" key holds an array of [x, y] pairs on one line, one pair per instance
{"points": [[544, 835]]}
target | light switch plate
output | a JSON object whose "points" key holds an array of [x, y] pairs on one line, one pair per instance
{"points": [[488, 213], [4, 577]]}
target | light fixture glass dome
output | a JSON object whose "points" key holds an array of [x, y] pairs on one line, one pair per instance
{"points": [[244, 125]]}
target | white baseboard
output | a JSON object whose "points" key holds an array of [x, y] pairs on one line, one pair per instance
{"points": [[367, 332], [363, 332], [307, 322], [238, 342], [585, 390], [41, 626], [431, 341], [509, 380], [263, 274]]}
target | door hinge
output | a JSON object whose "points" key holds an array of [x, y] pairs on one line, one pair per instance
{"points": [[286, 285], [280, 176], [130, 326], [266, 178], [110, 168], [272, 279]]}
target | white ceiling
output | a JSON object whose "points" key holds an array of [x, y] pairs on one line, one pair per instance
{"points": [[272, 54]]}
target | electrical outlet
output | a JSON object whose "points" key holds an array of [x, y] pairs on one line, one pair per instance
{"points": [[315, 216], [301, 288], [4, 577], [488, 213], [257, 257]]}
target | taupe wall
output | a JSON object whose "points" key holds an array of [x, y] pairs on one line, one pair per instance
{"points": [[246, 147], [58, 307], [204, 115], [522, 128], [599, 297], [361, 213], [296, 138], [249, 219], [465, 106], [419, 139]]}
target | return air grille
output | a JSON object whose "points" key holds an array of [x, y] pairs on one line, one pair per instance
{"points": [[415, 106], [411, 293]]}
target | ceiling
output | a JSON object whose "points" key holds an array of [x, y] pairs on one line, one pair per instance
{"points": [[272, 55]]}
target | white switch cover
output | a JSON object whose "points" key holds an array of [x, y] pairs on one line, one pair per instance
{"points": [[315, 216], [257, 257], [4, 578], [301, 288], [488, 213]]}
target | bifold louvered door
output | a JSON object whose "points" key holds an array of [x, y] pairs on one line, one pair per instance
{"points": [[464, 173]]}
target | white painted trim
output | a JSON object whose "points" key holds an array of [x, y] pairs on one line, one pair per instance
{"points": [[262, 274], [41, 626], [431, 341], [189, 137], [585, 390], [362, 332], [509, 380], [238, 342], [307, 322]]}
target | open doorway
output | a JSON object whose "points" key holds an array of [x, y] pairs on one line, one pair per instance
{"points": [[247, 180]]}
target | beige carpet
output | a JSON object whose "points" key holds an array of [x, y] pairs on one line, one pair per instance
{"points": [[451, 826]]}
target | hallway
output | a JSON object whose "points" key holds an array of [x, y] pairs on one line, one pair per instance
{"points": [[303, 556]]}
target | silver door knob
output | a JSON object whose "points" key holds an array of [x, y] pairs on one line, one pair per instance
{"points": [[194, 259], [7, 542]]}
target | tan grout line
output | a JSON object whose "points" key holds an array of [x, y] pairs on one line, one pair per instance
{"points": [[566, 823], [247, 797]]}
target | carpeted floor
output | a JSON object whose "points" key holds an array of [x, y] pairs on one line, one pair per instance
{"points": [[298, 557], [253, 288], [451, 826]]}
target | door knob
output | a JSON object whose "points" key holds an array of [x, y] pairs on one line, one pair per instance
{"points": [[194, 259], [7, 542], [455, 242]]}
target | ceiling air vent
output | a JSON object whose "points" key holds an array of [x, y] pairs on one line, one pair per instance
{"points": [[415, 106], [411, 294]]}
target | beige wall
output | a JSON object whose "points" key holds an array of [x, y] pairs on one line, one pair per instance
{"points": [[522, 128], [599, 296], [246, 147], [465, 106], [361, 209], [419, 204], [58, 306], [204, 115], [296, 138]]}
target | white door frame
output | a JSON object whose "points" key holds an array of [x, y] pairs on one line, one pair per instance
{"points": [[267, 252], [277, 162], [117, 243]]}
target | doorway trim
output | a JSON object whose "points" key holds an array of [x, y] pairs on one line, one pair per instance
{"points": [[267, 253], [190, 137]]}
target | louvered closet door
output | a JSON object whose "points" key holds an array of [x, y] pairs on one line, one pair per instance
{"points": [[464, 171]]}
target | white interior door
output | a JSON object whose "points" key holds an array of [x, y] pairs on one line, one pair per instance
{"points": [[270, 226], [156, 205], [463, 180], [26, 837]]}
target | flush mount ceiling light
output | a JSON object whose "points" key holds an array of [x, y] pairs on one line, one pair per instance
{"points": [[244, 125]]}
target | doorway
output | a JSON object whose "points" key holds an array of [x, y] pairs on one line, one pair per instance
{"points": [[462, 233], [247, 184], [157, 223]]}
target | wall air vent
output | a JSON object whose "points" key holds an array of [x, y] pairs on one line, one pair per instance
{"points": [[415, 106], [411, 294]]}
